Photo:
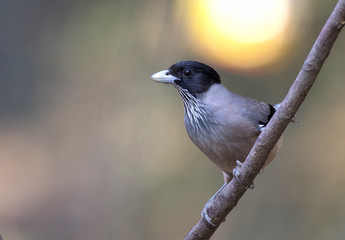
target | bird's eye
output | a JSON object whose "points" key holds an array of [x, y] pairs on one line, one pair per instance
{"points": [[187, 73]]}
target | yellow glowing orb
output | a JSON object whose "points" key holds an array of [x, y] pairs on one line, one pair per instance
{"points": [[237, 33]]}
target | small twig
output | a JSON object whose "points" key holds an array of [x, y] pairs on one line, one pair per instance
{"points": [[227, 199]]}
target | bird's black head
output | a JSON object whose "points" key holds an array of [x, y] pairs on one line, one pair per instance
{"points": [[195, 77]]}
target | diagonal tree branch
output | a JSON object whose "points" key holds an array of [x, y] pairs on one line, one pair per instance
{"points": [[227, 199]]}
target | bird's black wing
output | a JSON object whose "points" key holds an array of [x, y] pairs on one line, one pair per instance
{"points": [[259, 113], [272, 110]]}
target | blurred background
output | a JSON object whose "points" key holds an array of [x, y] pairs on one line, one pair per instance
{"points": [[91, 148]]}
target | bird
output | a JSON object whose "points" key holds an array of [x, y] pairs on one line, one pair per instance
{"points": [[222, 124]]}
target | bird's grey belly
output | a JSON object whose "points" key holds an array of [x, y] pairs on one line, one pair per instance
{"points": [[223, 149]]}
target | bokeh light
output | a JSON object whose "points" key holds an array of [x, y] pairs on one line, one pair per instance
{"points": [[238, 34]]}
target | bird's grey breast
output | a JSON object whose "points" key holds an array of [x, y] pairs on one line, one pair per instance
{"points": [[200, 125], [200, 121], [218, 129]]}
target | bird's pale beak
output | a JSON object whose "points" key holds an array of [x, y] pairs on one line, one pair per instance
{"points": [[164, 77]]}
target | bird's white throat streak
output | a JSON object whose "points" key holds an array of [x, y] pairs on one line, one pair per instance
{"points": [[196, 113]]}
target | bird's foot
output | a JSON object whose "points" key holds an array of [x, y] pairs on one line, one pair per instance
{"points": [[236, 173]]}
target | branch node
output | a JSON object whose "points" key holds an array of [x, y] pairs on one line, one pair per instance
{"points": [[341, 25]]}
